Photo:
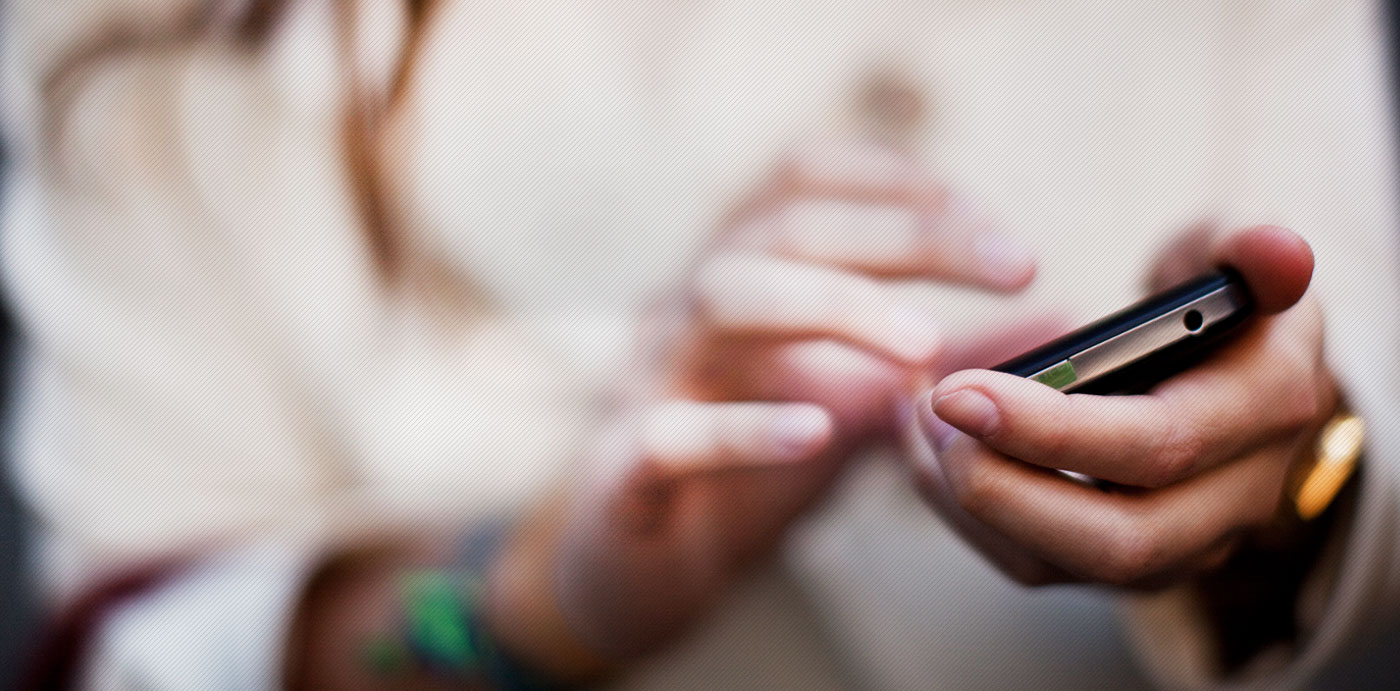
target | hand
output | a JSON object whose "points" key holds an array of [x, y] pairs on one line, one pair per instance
{"points": [[789, 302], [786, 352], [1202, 459]]}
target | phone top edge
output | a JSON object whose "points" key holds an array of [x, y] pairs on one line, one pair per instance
{"points": [[1199, 320], [1053, 356]]}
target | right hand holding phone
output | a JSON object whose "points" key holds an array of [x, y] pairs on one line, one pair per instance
{"points": [[1199, 462]]}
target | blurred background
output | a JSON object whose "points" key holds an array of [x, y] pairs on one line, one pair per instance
{"points": [[1373, 667], [15, 611]]}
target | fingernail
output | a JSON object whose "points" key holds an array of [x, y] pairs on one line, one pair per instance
{"points": [[1003, 257], [918, 337], [968, 411], [798, 432]]}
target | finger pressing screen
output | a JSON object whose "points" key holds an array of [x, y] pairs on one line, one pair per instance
{"points": [[687, 436], [749, 294]]}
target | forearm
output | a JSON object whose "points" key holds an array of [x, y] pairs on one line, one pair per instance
{"points": [[352, 626], [351, 600]]}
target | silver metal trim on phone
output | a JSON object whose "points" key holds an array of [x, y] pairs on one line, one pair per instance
{"points": [[1144, 339]]}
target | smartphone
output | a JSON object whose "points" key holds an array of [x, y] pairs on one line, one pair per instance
{"points": [[1131, 350]]}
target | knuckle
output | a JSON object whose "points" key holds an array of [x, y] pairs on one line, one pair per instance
{"points": [[1308, 312], [1300, 405], [1265, 509], [1298, 398], [1133, 553], [1058, 443], [1176, 456], [977, 490], [1301, 359]]}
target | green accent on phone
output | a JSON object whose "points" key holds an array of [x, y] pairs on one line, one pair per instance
{"points": [[1058, 376]]}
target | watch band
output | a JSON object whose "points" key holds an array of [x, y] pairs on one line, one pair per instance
{"points": [[443, 632]]}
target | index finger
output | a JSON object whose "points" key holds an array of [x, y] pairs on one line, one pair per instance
{"points": [[1276, 263], [689, 436]]}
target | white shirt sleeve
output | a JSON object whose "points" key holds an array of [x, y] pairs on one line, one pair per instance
{"points": [[222, 626]]}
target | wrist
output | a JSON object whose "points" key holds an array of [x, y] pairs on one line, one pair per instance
{"points": [[351, 599], [470, 612], [523, 611], [1259, 598]]}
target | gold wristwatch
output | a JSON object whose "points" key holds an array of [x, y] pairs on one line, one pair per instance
{"points": [[1338, 453]]}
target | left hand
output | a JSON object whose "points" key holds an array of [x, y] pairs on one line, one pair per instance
{"points": [[1199, 462], [785, 353]]}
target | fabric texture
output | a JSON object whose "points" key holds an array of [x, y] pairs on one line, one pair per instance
{"points": [[218, 355]]}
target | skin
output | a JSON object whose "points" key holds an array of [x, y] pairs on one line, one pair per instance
{"points": [[767, 374], [1203, 458], [787, 351]]}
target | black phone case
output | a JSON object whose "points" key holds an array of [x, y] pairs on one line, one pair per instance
{"points": [[1143, 373]]}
